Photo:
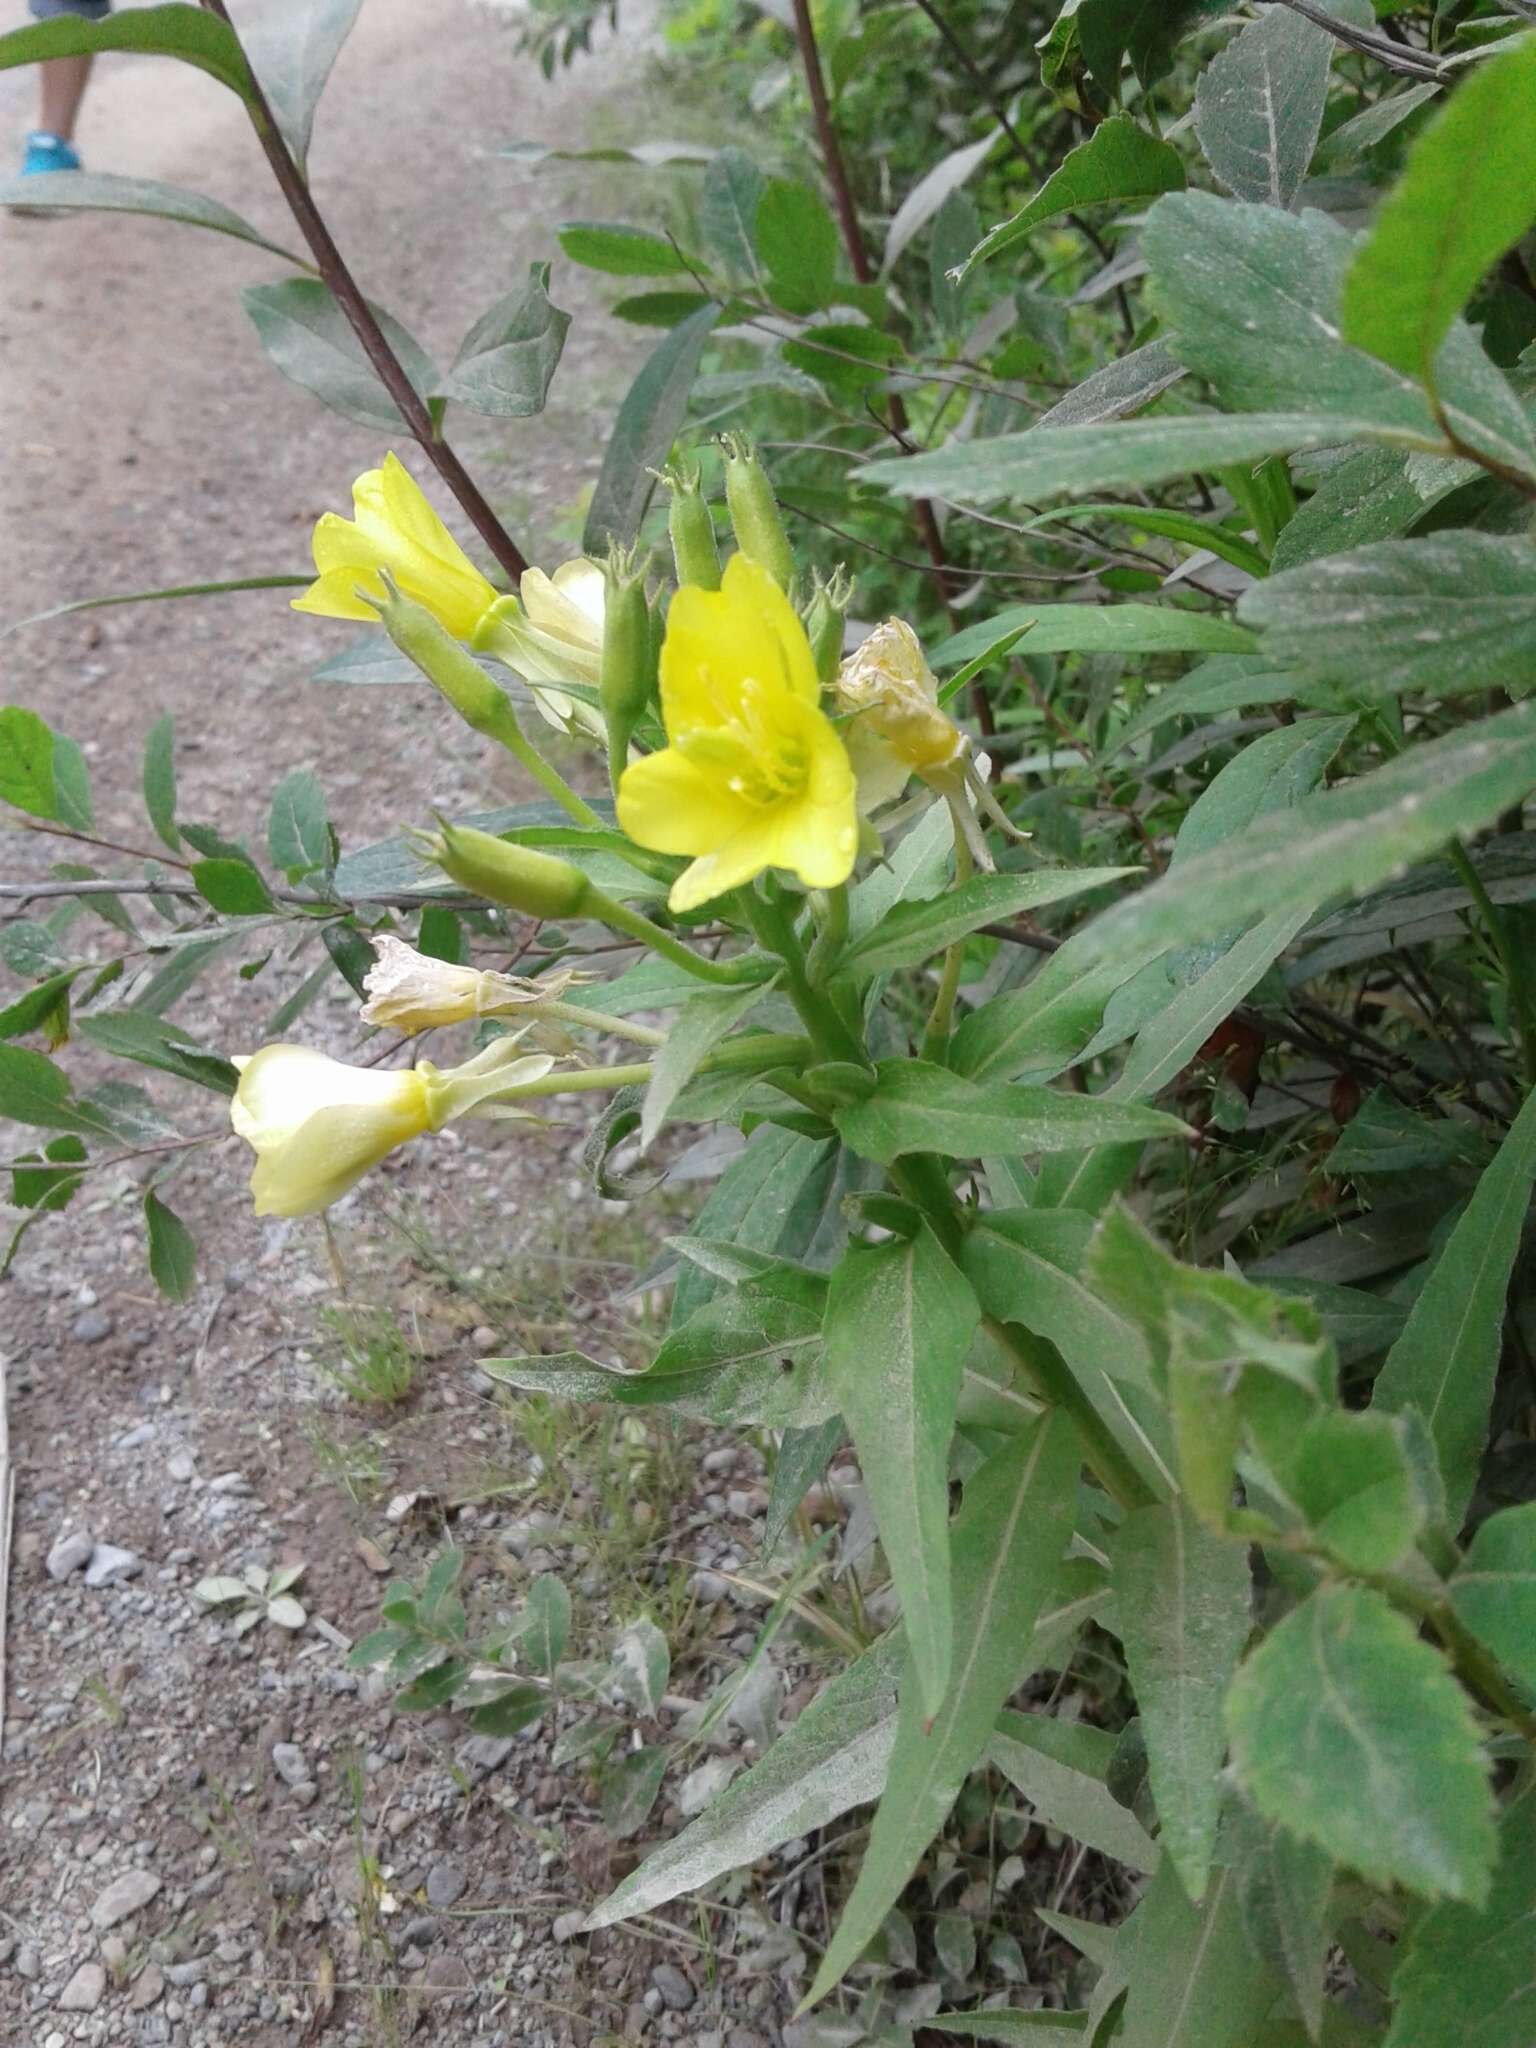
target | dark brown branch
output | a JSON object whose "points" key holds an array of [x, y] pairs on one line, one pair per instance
{"points": [[1392, 55], [360, 317]]}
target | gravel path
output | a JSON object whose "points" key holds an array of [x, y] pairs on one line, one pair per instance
{"points": [[207, 1839]]}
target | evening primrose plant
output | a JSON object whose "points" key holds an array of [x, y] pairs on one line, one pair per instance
{"points": [[1057, 804]]}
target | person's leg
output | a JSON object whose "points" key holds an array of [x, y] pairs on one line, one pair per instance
{"points": [[61, 87]]}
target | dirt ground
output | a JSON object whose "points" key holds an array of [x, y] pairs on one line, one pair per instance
{"points": [[432, 1882]]}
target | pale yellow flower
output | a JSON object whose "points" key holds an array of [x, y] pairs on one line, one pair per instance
{"points": [[394, 528], [552, 633], [897, 729]]}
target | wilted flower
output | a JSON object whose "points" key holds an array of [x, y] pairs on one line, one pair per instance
{"points": [[410, 992], [394, 528], [317, 1125], [754, 775], [897, 729]]}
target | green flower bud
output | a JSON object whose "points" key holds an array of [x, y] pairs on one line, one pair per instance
{"points": [[824, 623], [755, 511], [500, 871], [442, 660], [628, 675], [692, 528]]}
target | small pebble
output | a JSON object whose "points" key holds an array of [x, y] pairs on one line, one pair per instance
{"points": [[446, 1885], [91, 1327], [69, 1553], [676, 1991], [124, 1895], [85, 1990], [109, 1564], [289, 1762]]}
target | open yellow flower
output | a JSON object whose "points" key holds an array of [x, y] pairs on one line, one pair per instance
{"points": [[317, 1125], [754, 775], [394, 528]]}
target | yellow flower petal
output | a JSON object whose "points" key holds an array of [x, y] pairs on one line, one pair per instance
{"points": [[394, 528], [719, 640], [317, 1125], [671, 804]]}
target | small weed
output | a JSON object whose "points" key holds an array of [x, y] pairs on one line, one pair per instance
{"points": [[378, 1364], [354, 1464]]}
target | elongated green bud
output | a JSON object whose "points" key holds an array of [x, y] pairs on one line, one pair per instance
{"points": [[754, 511], [824, 623], [628, 675], [443, 662], [520, 877], [691, 527]]}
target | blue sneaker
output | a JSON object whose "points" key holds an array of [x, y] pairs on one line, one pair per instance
{"points": [[47, 152]]}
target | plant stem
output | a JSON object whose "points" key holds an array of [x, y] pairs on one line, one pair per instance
{"points": [[1047, 1371], [831, 934], [760, 1048], [936, 1037], [508, 732], [597, 1020], [724, 973], [776, 934], [1498, 934], [360, 317]]}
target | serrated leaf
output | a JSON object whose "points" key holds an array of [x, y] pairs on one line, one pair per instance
{"points": [[1119, 161], [1467, 193], [913, 932], [830, 1759], [620, 251], [918, 1107], [900, 1318], [1350, 1477], [1283, 1886], [1464, 1975], [1445, 1362], [1182, 1597], [508, 359], [1006, 1548], [1493, 1590], [308, 338], [1259, 106], [643, 432], [1349, 1729]]}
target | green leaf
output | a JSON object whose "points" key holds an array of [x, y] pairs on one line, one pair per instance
{"points": [[1252, 294], [167, 31], [1183, 1604], [899, 1322], [1493, 1591], [160, 780], [773, 1198], [1351, 1480], [508, 358], [1043, 1026], [1283, 1888], [1445, 1362], [728, 202], [310, 340], [846, 358], [134, 1035], [100, 192], [1100, 629], [643, 433], [1259, 106], [515, 1709], [913, 932], [1060, 1766], [94, 604], [1058, 462], [695, 1032], [918, 1107], [1192, 1977], [797, 243], [27, 762], [832, 1758], [629, 1789], [72, 783], [1005, 1549], [172, 1249], [1467, 193], [620, 251], [1447, 612], [544, 1626], [1348, 838], [233, 887], [291, 53], [1349, 1729], [35, 1091], [1122, 386], [44, 1008], [52, 1185], [1464, 1976], [659, 309], [1119, 161], [1146, 31], [996, 2023], [929, 195], [298, 830], [1349, 143]]}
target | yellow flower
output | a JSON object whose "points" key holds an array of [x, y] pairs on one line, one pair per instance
{"points": [[554, 635], [755, 775], [898, 728], [410, 992], [394, 528], [317, 1125]]}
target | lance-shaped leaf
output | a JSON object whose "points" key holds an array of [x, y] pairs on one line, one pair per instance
{"points": [[1006, 1549], [914, 932], [642, 434], [1060, 1767], [1183, 1614], [508, 358], [100, 192], [1347, 1728], [1493, 1591], [1099, 629], [1465, 1975], [1445, 1361], [1467, 193], [696, 1031], [172, 30], [918, 1107], [1192, 1978], [900, 1317], [929, 194], [1446, 612], [1259, 106], [310, 340], [1283, 1887], [292, 51], [1119, 161]]}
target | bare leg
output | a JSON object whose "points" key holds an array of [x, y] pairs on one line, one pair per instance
{"points": [[61, 87]]}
